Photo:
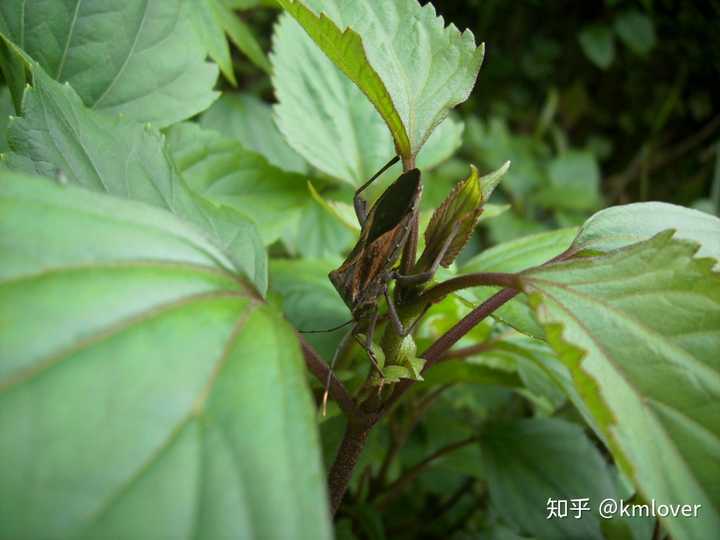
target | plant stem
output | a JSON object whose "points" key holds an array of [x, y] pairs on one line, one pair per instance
{"points": [[362, 419], [472, 350], [467, 323], [353, 442], [479, 279], [397, 487], [401, 438]]}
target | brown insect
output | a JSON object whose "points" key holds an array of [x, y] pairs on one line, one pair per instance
{"points": [[366, 272]]}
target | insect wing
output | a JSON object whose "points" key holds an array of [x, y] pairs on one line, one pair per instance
{"points": [[385, 231]]}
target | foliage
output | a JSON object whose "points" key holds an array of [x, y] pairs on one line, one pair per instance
{"points": [[166, 237]]}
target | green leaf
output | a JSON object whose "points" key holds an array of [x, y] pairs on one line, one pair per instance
{"points": [[249, 120], [530, 461], [516, 256], [328, 120], [545, 380], [309, 300], [323, 116], [12, 68], [139, 58], [208, 23], [57, 135], [243, 37], [224, 172], [343, 212], [574, 182], [598, 44], [6, 110], [467, 371], [145, 390], [317, 234], [639, 329], [411, 66], [494, 143], [620, 226], [636, 30]]}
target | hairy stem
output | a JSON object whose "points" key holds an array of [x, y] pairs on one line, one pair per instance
{"points": [[361, 419], [441, 290], [352, 445]]}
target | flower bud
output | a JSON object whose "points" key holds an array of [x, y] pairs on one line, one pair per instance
{"points": [[461, 209]]}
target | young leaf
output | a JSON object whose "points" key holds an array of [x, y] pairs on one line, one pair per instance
{"points": [[598, 44], [639, 329], [411, 66], [636, 30], [355, 143], [224, 172], [458, 214], [531, 461], [242, 36], [58, 135], [208, 23], [247, 119], [163, 390], [146, 60]]}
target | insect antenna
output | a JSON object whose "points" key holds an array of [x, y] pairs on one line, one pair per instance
{"points": [[338, 327]]}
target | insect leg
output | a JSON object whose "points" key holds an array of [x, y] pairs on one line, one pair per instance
{"points": [[341, 347], [359, 203], [367, 344], [395, 319], [422, 277]]}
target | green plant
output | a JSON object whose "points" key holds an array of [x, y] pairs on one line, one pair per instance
{"points": [[150, 382]]}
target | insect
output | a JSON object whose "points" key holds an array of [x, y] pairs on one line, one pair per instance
{"points": [[365, 274]]}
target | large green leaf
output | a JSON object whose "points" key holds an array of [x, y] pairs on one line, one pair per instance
{"points": [[328, 121], [145, 390], [58, 136], [639, 329], [412, 67], [530, 461], [516, 256], [223, 171], [245, 118], [139, 58], [620, 226]]}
